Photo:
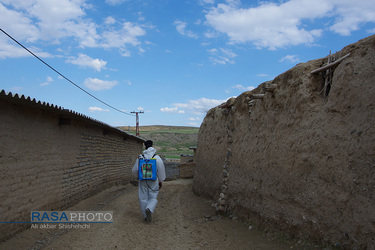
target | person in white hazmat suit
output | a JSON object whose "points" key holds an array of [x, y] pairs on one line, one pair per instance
{"points": [[148, 190]]}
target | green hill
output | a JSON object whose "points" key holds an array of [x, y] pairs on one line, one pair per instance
{"points": [[169, 141]]}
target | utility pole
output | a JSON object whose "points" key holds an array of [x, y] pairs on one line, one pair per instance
{"points": [[137, 121]]}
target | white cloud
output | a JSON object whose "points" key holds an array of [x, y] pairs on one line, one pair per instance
{"points": [[213, 50], [351, 14], [127, 35], [58, 21], [141, 17], [17, 24], [181, 28], [86, 61], [263, 75], [228, 53], [172, 110], [97, 84], [233, 3], [268, 25], [193, 124], [221, 56], [273, 26], [203, 105], [97, 109], [115, 2], [211, 34], [47, 82], [203, 2], [109, 20], [290, 58], [124, 52], [240, 88], [53, 19], [196, 107], [194, 118], [9, 50], [149, 43], [243, 88]]}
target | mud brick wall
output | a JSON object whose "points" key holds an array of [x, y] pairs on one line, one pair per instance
{"points": [[50, 159], [102, 161], [295, 158]]}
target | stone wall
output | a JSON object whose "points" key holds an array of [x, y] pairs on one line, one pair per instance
{"points": [[186, 158], [187, 165], [51, 158], [187, 170], [295, 159]]}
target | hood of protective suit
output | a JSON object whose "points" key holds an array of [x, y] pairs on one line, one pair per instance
{"points": [[148, 153]]}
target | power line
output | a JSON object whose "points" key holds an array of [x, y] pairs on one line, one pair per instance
{"points": [[63, 75]]}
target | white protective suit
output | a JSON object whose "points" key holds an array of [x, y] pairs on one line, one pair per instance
{"points": [[148, 190]]}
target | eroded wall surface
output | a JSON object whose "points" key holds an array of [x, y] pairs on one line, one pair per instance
{"points": [[296, 159]]}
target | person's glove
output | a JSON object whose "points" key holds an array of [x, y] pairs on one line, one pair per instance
{"points": [[160, 185]]}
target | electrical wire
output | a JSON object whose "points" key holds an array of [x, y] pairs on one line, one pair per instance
{"points": [[64, 76]]}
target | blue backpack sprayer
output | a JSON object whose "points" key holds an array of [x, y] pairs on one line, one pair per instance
{"points": [[147, 169]]}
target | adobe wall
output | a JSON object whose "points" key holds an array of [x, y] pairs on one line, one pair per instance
{"points": [[47, 166], [296, 160]]}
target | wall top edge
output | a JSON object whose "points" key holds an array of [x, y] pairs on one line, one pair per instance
{"points": [[37, 104]]}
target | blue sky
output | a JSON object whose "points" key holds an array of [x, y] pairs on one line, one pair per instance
{"points": [[172, 59]]}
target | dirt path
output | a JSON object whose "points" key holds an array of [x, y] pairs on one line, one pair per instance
{"points": [[181, 220]]}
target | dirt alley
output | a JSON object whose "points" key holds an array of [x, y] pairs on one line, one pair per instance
{"points": [[181, 220]]}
